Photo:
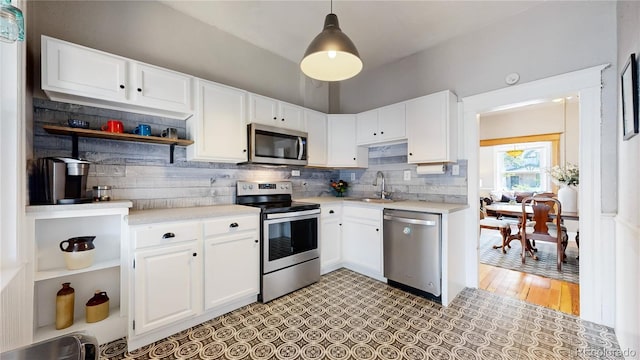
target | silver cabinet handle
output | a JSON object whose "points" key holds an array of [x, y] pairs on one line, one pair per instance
{"points": [[300, 148], [410, 221]]}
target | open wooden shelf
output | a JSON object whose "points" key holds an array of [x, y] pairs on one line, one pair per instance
{"points": [[78, 132], [65, 130]]}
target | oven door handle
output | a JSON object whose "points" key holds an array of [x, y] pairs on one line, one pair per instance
{"points": [[300, 148], [294, 214]]}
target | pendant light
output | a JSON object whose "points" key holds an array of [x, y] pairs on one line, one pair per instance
{"points": [[515, 152], [331, 56]]}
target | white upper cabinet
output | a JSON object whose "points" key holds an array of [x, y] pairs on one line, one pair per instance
{"points": [[268, 111], [381, 125], [367, 127], [82, 71], [81, 75], [343, 151], [166, 89], [218, 127], [316, 123], [432, 128], [392, 122]]}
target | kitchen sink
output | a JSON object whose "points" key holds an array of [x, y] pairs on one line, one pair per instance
{"points": [[372, 200]]}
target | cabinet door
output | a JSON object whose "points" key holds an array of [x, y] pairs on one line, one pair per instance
{"points": [[362, 244], [429, 119], [330, 244], [78, 70], [291, 116], [367, 127], [168, 285], [343, 151], [231, 268], [163, 89], [316, 138], [218, 128], [263, 110], [392, 122]]}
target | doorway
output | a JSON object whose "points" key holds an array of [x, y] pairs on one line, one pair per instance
{"points": [[518, 147], [587, 84]]}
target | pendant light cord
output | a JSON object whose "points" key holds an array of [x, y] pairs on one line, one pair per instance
{"points": [[332, 6]]}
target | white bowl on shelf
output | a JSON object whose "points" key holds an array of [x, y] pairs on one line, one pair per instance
{"points": [[78, 259]]}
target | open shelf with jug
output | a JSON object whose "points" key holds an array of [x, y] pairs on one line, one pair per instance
{"points": [[99, 224]]}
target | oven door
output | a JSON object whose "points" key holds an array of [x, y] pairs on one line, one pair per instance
{"points": [[289, 238]]}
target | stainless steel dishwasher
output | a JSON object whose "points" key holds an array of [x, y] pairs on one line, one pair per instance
{"points": [[412, 250]]}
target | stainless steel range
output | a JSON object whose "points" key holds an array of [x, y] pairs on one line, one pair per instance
{"points": [[289, 255]]}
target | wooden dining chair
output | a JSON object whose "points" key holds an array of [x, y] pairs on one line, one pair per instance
{"points": [[492, 223], [544, 224]]}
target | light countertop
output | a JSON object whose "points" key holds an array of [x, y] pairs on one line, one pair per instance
{"points": [[411, 205], [140, 217], [114, 204]]}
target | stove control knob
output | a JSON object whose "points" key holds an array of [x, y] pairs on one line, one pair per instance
{"points": [[250, 187], [244, 187]]}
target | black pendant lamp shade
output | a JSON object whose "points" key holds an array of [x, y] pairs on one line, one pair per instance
{"points": [[331, 56]]}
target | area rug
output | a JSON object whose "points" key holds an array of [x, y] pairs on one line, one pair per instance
{"points": [[545, 266]]}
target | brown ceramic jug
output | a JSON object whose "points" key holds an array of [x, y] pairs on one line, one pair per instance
{"points": [[80, 243], [97, 307]]}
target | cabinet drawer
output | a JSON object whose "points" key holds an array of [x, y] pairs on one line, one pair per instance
{"points": [[330, 211], [362, 213], [153, 235], [228, 225]]}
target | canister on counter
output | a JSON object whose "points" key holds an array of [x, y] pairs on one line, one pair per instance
{"points": [[97, 307], [102, 193]]}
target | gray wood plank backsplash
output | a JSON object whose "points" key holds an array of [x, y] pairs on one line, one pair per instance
{"points": [[141, 172]]}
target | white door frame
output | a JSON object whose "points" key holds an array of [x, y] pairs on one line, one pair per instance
{"points": [[596, 289]]}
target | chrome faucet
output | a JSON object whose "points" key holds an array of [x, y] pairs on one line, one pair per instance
{"points": [[383, 194]]}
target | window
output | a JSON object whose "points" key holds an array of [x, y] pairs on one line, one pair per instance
{"points": [[526, 171]]}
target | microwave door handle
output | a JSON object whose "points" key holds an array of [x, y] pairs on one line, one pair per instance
{"points": [[300, 148]]}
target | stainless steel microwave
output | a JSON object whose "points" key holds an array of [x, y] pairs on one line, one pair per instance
{"points": [[278, 146]]}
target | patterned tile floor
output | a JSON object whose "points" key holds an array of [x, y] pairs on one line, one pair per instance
{"points": [[350, 316]]}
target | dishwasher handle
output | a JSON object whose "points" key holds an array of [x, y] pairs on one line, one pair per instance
{"points": [[410, 221]]}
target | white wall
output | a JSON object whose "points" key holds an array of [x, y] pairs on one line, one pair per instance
{"points": [[627, 312], [550, 39], [154, 33]]}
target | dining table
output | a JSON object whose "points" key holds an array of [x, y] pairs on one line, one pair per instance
{"points": [[515, 211]]}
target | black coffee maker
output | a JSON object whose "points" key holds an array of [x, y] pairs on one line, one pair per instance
{"points": [[59, 180]]}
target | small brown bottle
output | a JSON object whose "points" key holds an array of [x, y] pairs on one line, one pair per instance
{"points": [[64, 306]]}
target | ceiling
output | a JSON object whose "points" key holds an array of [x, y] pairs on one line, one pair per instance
{"points": [[383, 31]]}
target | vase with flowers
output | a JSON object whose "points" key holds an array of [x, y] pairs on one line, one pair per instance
{"points": [[567, 178], [340, 187]]}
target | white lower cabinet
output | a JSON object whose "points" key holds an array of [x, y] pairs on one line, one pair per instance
{"points": [[231, 261], [184, 273], [167, 275], [167, 285], [362, 240], [330, 237]]}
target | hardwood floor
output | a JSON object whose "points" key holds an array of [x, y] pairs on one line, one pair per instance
{"points": [[555, 294]]}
